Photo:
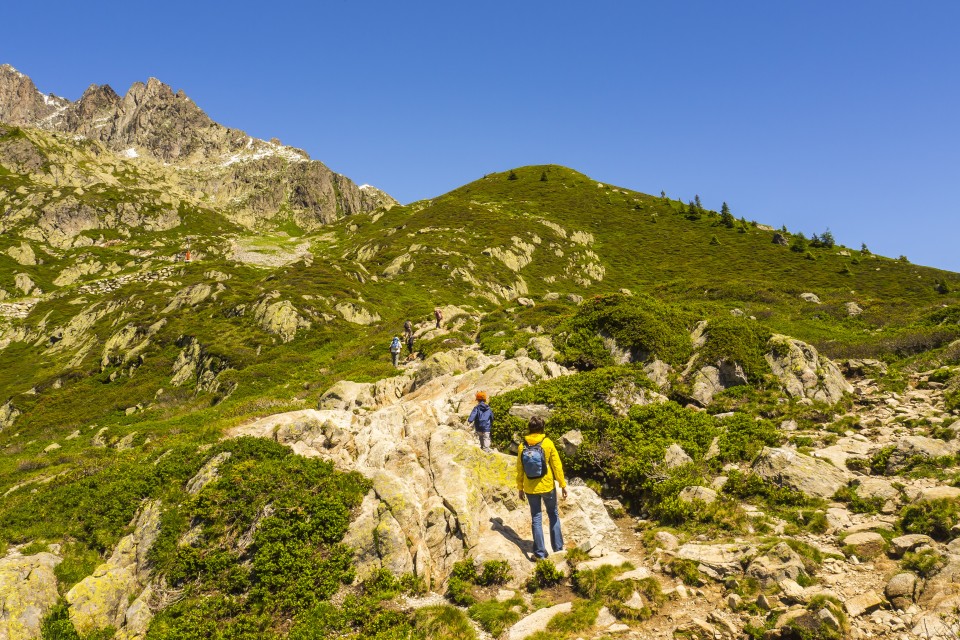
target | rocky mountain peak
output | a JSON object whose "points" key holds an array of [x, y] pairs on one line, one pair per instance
{"points": [[20, 100]]}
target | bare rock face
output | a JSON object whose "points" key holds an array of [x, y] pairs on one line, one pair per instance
{"points": [[280, 318], [910, 447], [787, 468], [252, 180], [21, 102], [104, 599], [28, 590], [436, 497], [804, 373]]}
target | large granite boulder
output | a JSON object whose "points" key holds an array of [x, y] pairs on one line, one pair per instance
{"points": [[788, 468], [803, 372]]}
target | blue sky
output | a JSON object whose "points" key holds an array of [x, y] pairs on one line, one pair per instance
{"points": [[813, 114]]}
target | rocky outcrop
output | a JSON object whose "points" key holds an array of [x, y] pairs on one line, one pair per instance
{"points": [[910, 448], [356, 314], [21, 102], [107, 598], [436, 497], [711, 380], [8, 415], [195, 364], [787, 468], [280, 318], [804, 373], [28, 590]]}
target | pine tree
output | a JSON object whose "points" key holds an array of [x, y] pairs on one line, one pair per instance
{"points": [[512, 176], [863, 248], [726, 218], [693, 212], [543, 177], [696, 200]]}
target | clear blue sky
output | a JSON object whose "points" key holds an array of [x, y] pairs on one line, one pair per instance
{"points": [[812, 114]]}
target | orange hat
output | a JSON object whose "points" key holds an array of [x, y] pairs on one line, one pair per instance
{"points": [[481, 396]]}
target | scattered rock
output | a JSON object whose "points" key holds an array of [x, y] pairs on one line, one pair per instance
{"points": [[866, 544], [536, 621], [703, 494], [863, 603], [810, 297], [675, 456], [900, 590]]}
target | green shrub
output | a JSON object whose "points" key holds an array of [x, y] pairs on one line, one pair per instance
{"points": [[545, 575], [460, 592], [494, 572], [687, 571], [736, 339], [925, 563], [464, 570], [640, 324], [496, 617], [857, 504], [934, 518]]}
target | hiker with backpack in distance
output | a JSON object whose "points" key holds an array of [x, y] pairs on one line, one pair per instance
{"points": [[395, 350], [438, 315], [538, 469], [482, 419]]}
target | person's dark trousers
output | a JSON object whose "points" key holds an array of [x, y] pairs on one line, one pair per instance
{"points": [[536, 514]]}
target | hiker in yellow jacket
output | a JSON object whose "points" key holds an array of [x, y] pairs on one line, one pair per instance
{"points": [[538, 469]]}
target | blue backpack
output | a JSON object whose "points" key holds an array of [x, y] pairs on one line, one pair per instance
{"points": [[534, 460]]}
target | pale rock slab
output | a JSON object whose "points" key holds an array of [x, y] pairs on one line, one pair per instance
{"points": [[788, 468], [103, 599], [28, 590]]}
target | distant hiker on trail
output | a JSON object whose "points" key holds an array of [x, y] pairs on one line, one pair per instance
{"points": [[410, 344], [438, 315], [395, 350], [482, 419], [538, 468], [408, 328]]}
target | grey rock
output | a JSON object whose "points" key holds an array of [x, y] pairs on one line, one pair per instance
{"points": [[787, 468], [675, 456], [778, 564], [900, 590], [902, 544], [863, 603], [810, 297], [28, 591], [571, 442], [527, 411], [866, 544], [804, 373], [703, 494]]}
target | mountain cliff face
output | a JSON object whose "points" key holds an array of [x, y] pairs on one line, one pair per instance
{"points": [[255, 182]]}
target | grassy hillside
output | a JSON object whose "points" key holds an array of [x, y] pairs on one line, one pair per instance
{"points": [[96, 367]]}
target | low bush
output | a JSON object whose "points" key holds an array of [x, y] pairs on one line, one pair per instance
{"points": [[934, 518], [925, 563], [545, 575]]}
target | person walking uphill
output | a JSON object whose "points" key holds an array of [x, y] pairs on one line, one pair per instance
{"points": [[482, 419], [395, 350], [538, 471]]}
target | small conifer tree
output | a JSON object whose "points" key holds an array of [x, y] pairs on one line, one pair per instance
{"points": [[543, 176], [726, 218], [513, 175]]}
